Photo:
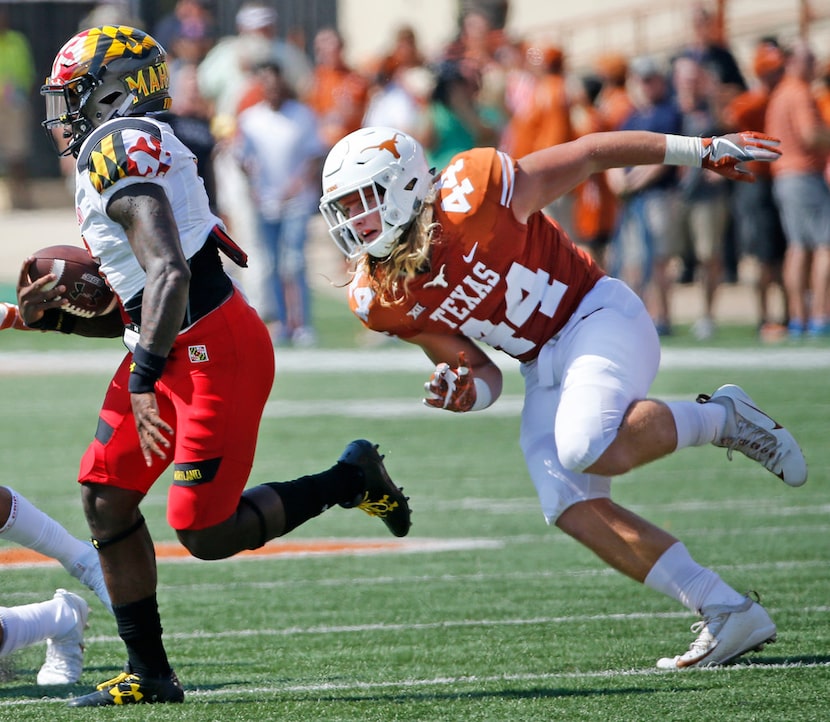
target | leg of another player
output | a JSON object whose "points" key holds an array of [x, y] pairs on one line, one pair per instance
{"points": [[61, 621], [23, 523], [27, 624]]}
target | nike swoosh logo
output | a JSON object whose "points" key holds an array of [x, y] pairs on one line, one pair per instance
{"points": [[468, 258]]}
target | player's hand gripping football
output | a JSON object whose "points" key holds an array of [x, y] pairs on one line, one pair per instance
{"points": [[452, 389], [725, 154], [36, 297]]}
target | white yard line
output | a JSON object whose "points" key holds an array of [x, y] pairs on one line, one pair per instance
{"points": [[447, 681], [411, 359]]}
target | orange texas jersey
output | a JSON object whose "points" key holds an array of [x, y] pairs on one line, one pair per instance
{"points": [[492, 279]]}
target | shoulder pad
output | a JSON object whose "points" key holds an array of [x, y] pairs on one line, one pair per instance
{"points": [[132, 148], [111, 127]]}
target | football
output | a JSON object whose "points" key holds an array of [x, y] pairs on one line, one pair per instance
{"points": [[86, 290]]}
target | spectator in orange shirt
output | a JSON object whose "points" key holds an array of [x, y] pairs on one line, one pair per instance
{"points": [[338, 94], [543, 118], [595, 205], [823, 101], [802, 193], [757, 220], [613, 101], [823, 94]]}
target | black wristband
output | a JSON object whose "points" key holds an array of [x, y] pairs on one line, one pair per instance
{"points": [[145, 370], [55, 319]]}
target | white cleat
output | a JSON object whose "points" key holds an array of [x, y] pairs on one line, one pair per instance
{"points": [[757, 436], [725, 633], [87, 570], [65, 655]]}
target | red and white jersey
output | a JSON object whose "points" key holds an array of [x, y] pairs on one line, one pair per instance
{"points": [[136, 150], [492, 279]]}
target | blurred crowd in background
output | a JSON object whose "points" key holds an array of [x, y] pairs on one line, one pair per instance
{"points": [[260, 108]]}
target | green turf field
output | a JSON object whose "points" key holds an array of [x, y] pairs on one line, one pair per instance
{"points": [[483, 613]]}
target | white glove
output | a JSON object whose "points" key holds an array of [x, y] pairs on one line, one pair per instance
{"points": [[725, 154]]}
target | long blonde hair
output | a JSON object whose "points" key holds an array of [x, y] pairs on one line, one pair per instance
{"points": [[409, 257]]}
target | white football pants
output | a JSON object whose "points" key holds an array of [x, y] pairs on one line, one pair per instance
{"points": [[578, 389]]}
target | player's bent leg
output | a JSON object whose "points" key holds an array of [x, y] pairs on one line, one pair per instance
{"points": [[358, 480], [259, 517], [23, 523], [623, 540], [647, 433]]}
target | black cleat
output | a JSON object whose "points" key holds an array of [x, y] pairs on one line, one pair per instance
{"points": [[130, 688], [381, 497]]}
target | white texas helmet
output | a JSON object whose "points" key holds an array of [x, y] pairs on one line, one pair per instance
{"points": [[389, 170]]}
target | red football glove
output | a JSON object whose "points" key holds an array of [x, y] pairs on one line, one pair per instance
{"points": [[725, 154], [451, 389]]}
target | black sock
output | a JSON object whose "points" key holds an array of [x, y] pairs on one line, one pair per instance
{"points": [[139, 625], [310, 496]]}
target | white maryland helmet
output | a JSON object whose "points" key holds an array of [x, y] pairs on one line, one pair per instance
{"points": [[389, 170]]}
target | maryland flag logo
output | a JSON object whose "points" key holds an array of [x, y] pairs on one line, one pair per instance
{"points": [[126, 153], [95, 48], [197, 354]]}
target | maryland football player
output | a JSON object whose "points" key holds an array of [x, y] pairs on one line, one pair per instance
{"points": [[191, 391]]}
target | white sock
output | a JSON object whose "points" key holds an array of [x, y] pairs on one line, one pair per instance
{"points": [[697, 424], [30, 527], [30, 623], [680, 577]]}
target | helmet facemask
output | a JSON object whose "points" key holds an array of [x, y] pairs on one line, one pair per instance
{"points": [[345, 232], [63, 111], [389, 183]]}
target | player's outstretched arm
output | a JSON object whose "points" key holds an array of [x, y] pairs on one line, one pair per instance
{"points": [[547, 174]]}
